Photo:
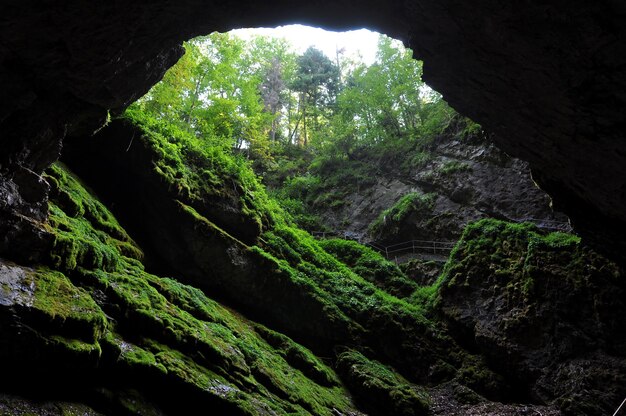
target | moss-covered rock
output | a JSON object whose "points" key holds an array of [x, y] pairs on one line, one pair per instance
{"points": [[147, 333], [379, 389], [42, 312], [370, 265], [390, 223], [543, 309], [397, 330], [283, 277], [85, 232]]}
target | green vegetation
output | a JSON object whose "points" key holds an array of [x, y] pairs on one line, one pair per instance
{"points": [[195, 170], [454, 166], [314, 128], [295, 263], [292, 262], [390, 220], [85, 231], [370, 265], [515, 252], [154, 327], [379, 389]]}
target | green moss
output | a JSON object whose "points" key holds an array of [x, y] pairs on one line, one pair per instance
{"points": [[205, 346], [299, 357], [397, 330], [345, 306], [86, 233], [454, 166], [513, 252], [76, 347], [370, 265], [560, 239], [350, 292], [159, 329], [390, 221], [379, 389], [66, 307], [197, 170]]}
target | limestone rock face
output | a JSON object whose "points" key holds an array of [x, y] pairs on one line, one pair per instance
{"points": [[464, 179], [544, 310], [547, 79]]}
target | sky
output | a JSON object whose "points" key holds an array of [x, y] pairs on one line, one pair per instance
{"points": [[356, 43]]}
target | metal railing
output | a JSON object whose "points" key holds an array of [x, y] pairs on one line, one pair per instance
{"points": [[411, 246], [414, 247], [435, 247]]}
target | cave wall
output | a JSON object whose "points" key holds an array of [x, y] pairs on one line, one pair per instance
{"points": [[548, 79]]}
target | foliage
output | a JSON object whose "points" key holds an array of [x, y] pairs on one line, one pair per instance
{"points": [[370, 265], [196, 168], [201, 156], [379, 389], [496, 245], [261, 99], [316, 82], [224, 90], [372, 313], [141, 326], [84, 230], [390, 220], [453, 167]]}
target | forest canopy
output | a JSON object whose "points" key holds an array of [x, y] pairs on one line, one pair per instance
{"points": [[260, 93]]}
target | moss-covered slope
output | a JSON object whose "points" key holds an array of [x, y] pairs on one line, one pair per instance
{"points": [[199, 214], [94, 318], [283, 276]]}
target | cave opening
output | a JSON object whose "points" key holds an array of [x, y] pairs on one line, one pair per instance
{"points": [[547, 79], [439, 154], [327, 119]]}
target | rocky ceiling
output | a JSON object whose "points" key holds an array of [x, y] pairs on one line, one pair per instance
{"points": [[549, 78]]}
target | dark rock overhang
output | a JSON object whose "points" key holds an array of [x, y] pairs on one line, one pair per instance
{"points": [[548, 79]]}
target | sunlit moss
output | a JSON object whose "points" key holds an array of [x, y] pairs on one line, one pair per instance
{"points": [[161, 329], [390, 220], [379, 389]]}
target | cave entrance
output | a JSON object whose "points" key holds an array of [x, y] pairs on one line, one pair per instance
{"points": [[320, 116], [342, 131]]}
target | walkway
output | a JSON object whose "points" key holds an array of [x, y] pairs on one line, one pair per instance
{"points": [[438, 250]]}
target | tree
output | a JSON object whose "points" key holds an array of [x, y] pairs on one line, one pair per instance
{"points": [[316, 82]]}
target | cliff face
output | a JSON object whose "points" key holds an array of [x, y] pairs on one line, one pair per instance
{"points": [[110, 334], [463, 178], [542, 309]]}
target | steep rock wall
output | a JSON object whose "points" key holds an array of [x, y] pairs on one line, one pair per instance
{"points": [[464, 178]]}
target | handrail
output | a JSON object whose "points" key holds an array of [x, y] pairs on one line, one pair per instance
{"points": [[432, 246], [429, 246]]}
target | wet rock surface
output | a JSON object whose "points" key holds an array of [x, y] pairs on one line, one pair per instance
{"points": [[464, 178], [544, 311], [18, 406]]}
